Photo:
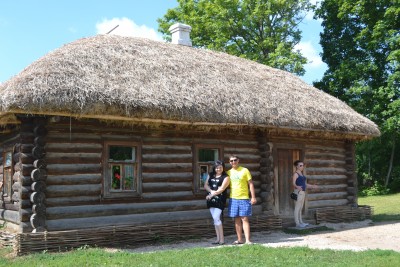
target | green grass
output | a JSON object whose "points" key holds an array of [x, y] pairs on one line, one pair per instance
{"points": [[254, 255], [386, 208]]}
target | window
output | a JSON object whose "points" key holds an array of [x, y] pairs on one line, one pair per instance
{"points": [[121, 171], [205, 160], [7, 174]]}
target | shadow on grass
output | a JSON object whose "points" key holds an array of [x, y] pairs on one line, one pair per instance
{"points": [[386, 217], [306, 231]]}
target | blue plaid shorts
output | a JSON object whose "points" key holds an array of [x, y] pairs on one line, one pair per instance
{"points": [[239, 207]]}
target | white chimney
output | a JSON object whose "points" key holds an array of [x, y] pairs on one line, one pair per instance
{"points": [[181, 34]]}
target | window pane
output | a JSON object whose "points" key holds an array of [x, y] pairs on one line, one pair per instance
{"points": [[122, 153], [129, 177], [206, 155], [116, 177]]}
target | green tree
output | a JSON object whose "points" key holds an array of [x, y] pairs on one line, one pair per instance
{"points": [[361, 46], [265, 31]]}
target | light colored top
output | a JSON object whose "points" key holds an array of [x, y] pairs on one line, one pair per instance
{"points": [[239, 183]]}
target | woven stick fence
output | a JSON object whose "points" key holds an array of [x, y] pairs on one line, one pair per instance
{"points": [[132, 235], [343, 214]]}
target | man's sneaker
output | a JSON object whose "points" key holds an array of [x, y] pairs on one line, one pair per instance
{"points": [[300, 225], [305, 224]]}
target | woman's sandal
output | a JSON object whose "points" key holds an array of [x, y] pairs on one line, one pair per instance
{"points": [[237, 243], [215, 243]]}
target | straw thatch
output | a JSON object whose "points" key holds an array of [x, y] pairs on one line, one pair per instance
{"points": [[116, 77]]}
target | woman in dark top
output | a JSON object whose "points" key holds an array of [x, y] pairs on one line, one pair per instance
{"points": [[216, 184], [300, 186]]}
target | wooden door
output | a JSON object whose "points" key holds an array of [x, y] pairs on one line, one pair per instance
{"points": [[285, 169]]}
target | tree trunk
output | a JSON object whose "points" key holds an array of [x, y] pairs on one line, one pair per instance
{"points": [[390, 163]]}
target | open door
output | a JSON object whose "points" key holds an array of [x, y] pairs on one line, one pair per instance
{"points": [[285, 169]]}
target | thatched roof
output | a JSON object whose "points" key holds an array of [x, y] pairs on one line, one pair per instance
{"points": [[114, 77]]}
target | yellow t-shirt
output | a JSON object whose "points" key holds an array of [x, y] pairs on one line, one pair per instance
{"points": [[239, 187]]}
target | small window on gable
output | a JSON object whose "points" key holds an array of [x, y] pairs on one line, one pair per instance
{"points": [[7, 174], [206, 156], [121, 177]]}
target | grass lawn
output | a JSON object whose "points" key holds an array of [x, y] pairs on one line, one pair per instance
{"points": [[385, 208]]}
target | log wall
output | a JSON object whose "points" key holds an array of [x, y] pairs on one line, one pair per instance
{"points": [[74, 185], [329, 165], [58, 179]]}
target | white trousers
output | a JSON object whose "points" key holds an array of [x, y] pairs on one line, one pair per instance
{"points": [[298, 208], [216, 214]]}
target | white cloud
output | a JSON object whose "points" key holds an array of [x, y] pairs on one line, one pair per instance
{"points": [[308, 50], [127, 27]]}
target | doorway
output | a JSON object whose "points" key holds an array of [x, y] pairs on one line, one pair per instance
{"points": [[286, 157]]}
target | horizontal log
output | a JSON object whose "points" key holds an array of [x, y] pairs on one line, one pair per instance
{"points": [[39, 209], [16, 197], [122, 209], [37, 221], [40, 141], [326, 177], [27, 138], [167, 187], [327, 203], [74, 179], [73, 158], [74, 147], [167, 158], [326, 164], [73, 190], [78, 200], [24, 180], [322, 171], [327, 196], [16, 186], [24, 158], [10, 216], [132, 219], [167, 195], [38, 186], [11, 206], [40, 164], [166, 167], [25, 169], [241, 150], [25, 148], [38, 152], [56, 169], [25, 215], [330, 188], [38, 198], [167, 177], [39, 175], [40, 130], [26, 203], [165, 149]]}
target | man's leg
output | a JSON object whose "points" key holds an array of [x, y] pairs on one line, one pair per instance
{"points": [[239, 228], [246, 228]]}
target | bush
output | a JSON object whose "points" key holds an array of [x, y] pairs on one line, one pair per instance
{"points": [[376, 189]]}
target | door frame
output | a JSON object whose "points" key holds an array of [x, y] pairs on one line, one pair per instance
{"points": [[284, 146]]}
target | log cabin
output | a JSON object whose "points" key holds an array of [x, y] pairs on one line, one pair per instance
{"points": [[111, 130]]}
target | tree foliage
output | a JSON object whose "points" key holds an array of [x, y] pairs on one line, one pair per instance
{"points": [[265, 31], [361, 46]]}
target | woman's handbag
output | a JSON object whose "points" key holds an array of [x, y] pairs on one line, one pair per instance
{"points": [[293, 195]]}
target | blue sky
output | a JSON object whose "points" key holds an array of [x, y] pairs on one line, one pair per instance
{"points": [[29, 29]]}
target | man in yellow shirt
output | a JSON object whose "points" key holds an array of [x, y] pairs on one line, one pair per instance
{"points": [[239, 202]]}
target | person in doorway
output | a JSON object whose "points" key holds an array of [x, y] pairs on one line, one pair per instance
{"points": [[300, 186], [240, 206], [216, 185]]}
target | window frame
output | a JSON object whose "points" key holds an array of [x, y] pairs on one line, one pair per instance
{"points": [[8, 179], [197, 165], [108, 192]]}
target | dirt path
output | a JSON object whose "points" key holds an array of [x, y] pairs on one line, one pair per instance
{"points": [[345, 236]]}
